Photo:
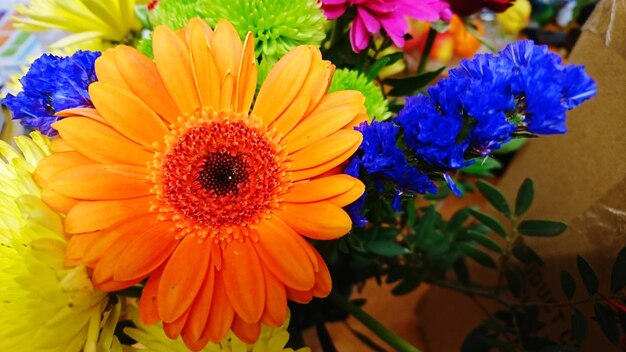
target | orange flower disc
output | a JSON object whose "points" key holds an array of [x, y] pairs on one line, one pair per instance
{"points": [[174, 177]]}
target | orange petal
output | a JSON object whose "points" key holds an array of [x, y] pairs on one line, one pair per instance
{"points": [[326, 149], [150, 248], [323, 282], [100, 142], [205, 71], [227, 49], [102, 275], [302, 297], [148, 312], [59, 145], [316, 171], [280, 251], [319, 80], [320, 221], [275, 301], [106, 70], [52, 164], [173, 329], [319, 189], [179, 287], [97, 182], [349, 196], [283, 83], [128, 114], [222, 312], [201, 306], [226, 93], [57, 202], [246, 332], [334, 112], [173, 62], [86, 112], [89, 216], [142, 76], [77, 246], [243, 280], [247, 77], [292, 115], [193, 344], [112, 236], [196, 21]]}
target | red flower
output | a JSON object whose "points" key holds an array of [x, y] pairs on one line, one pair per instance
{"points": [[468, 7]]}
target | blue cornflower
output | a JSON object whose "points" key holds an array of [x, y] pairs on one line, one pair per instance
{"points": [[380, 156], [53, 84]]}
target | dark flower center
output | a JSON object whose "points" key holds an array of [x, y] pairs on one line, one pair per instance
{"points": [[222, 173]]}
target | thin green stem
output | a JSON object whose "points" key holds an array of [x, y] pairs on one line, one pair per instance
{"points": [[381, 331], [430, 40]]}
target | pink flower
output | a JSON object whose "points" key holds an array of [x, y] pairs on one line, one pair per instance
{"points": [[390, 15]]}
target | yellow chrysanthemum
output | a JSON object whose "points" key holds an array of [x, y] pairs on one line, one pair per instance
{"points": [[46, 306], [153, 338], [96, 25]]}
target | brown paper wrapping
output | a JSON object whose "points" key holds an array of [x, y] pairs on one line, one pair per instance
{"points": [[580, 178]]}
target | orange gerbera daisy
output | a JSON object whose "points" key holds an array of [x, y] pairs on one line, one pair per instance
{"points": [[172, 177]]}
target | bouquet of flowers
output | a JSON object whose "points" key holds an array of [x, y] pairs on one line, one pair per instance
{"points": [[198, 172]]}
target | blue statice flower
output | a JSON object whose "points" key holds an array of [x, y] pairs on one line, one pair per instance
{"points": [[544, 87], [380, 156], [53, 84], [489, 98]]}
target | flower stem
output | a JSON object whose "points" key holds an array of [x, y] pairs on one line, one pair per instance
{"points": [[428, 47], [381, 331]]}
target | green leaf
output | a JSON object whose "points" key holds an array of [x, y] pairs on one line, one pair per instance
{"points": [[376, 67], [526, 255], [386, 248], [411, 84], [524, 198], [458, 219], [590, 279], [405, 286], [618, 273], [474, 253], [484, 240], [489, 221], [568, 285], [579, 325], [607, 322], [482, 167], [515, 282], [426, 225], [541, 228], [461, 271], [495, 197]]}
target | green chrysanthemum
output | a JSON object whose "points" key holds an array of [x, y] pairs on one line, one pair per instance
{"points": [[278, 25], [345, 79], [153, 339], [46, 305]]}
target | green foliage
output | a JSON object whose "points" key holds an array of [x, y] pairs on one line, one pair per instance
{"points": [[410, 85], [568, 285], [579, 325], [607, 322], [541, 228], [482, 167], [489, 221], [590, 279], [618, 272], [524, 198], [495, 197]]}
